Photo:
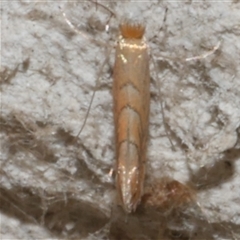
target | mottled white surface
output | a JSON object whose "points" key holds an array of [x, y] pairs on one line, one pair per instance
{"points": [[44, 106]]}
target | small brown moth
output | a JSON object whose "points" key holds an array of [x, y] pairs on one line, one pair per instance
{"points": [[131, 113]]}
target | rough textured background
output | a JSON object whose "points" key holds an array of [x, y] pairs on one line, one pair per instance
{"points": [[54, 186]]}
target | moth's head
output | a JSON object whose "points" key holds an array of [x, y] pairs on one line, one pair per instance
{"points": [[131, 30]]}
